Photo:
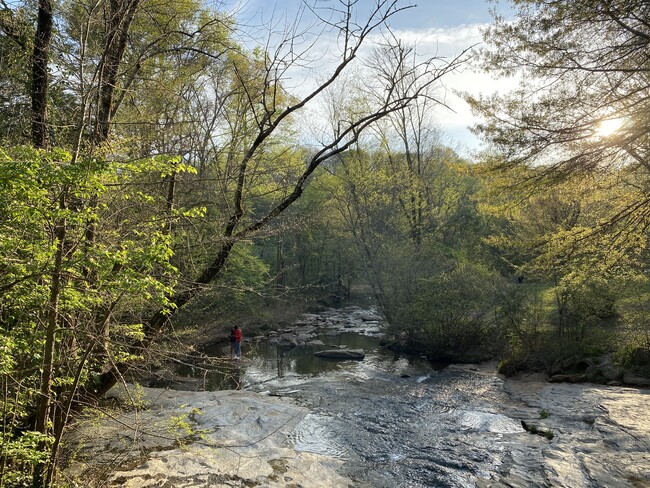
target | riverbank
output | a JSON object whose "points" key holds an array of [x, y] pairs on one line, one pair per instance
{"points": [[600, 438], [299, 328]]}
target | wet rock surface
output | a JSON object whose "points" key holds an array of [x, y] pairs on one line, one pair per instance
{"points": [[199, 439], [601, 434], [341, 353], [329, 322], [386, 421]]}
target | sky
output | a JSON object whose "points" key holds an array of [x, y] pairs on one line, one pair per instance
{"points": [[438, 27]]}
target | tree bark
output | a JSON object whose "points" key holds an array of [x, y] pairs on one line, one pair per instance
{"points": [[45, 397], [122, 13], [40, 129]]}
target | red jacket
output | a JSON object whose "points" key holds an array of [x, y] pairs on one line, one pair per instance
{"points": [[238, 335]]}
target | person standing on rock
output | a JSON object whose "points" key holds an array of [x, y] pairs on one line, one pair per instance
{"points": [[237, 336], [232, 342]]}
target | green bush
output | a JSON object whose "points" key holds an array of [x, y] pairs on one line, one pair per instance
{"points": [[449, 310]]}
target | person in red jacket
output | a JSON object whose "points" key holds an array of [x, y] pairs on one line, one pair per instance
{"points": [[238, 336], [231, 338]]}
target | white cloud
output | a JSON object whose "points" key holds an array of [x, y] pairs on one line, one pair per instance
{"points": [[445, 41], [449, 43], [442, 43]]}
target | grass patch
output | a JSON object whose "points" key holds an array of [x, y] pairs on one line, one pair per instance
{"points": [[535, 429]]}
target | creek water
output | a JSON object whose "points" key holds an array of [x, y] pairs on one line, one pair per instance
{"points": [[396, 420], [400, 421]]}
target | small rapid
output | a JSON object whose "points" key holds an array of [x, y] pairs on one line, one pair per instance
{"points": [[395, 420]]}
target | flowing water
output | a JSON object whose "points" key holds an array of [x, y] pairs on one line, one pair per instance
{"points": [[398, 421]]}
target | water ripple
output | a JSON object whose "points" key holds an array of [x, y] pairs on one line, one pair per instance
{"points": [[314, 434]]}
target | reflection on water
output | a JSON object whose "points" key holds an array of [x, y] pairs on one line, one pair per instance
{"points": [[262, 362]]}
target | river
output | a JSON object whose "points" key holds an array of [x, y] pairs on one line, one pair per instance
{"points": [[399, 421]]}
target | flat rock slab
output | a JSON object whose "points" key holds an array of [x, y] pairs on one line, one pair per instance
{"points": [[341, 354], [198, 439], [601, 436]]}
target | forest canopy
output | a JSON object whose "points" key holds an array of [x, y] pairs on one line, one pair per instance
{"points": [[163, 174]]}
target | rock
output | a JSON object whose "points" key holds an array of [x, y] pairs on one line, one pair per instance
{"points": [[613, 383], [341, 354], [282, 393], [303, 338], [634, 380], [568, 378], [609, 370], [316, 342], [245, 440], [285, 340], [570, 366], [371, 318], [557, 368], [593, 373]]}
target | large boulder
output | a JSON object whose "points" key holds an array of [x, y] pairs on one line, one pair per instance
{"points": [[284, 340], [635, 380], [610, 370], [569, 366], [342, 354]]}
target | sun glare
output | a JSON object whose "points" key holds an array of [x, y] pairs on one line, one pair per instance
{"points": [[608, 127]]}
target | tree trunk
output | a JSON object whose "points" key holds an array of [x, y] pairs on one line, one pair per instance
{"points": [[45, 398], [40, 136], [122, 13], [157, 322]]}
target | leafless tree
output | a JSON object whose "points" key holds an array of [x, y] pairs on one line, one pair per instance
{"points": [[399, 83]]}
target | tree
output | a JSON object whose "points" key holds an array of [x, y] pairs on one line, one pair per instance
{"points": [[271, 109], [418, 278], [582, 104], [40, 78], [15, 41], [57, 327]]}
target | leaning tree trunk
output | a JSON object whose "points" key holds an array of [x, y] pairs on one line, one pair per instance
{"points": [[46, 395]]}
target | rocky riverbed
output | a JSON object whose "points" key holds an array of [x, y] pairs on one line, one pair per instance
{"points": [[385, 421]]}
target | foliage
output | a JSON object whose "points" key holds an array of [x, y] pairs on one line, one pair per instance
{"points": [[453, 311], [181, 152], [417, 231], [633, 338], [99, 288], [589, 183], [559, 237]]}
